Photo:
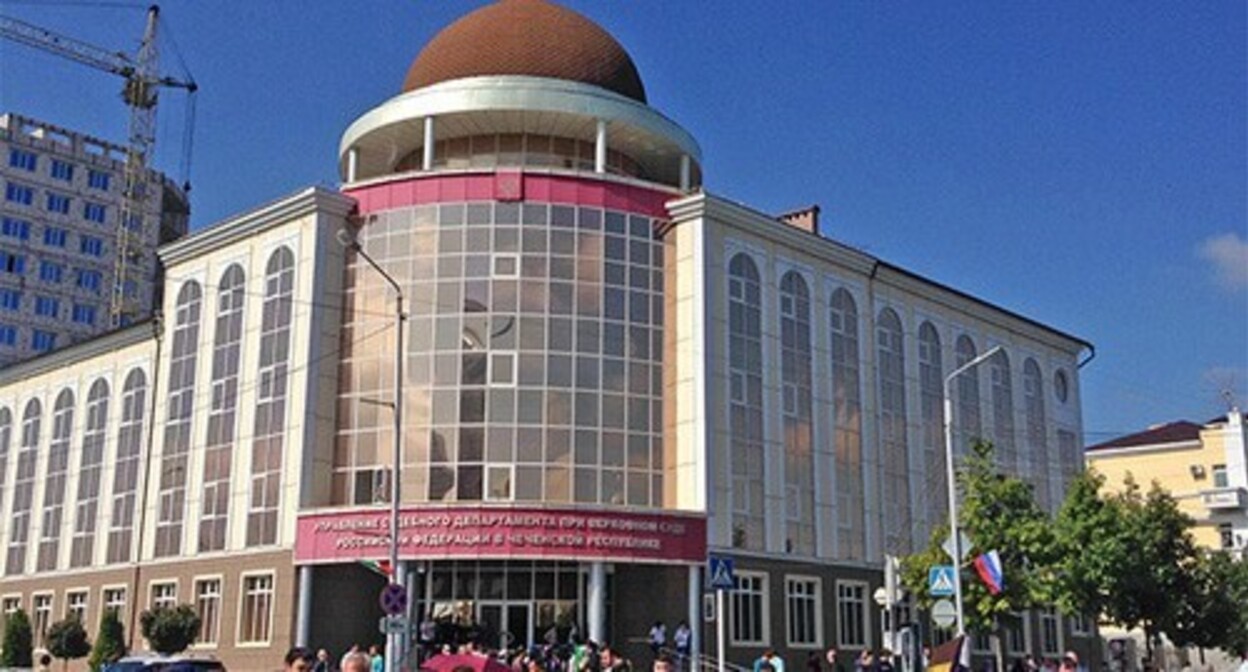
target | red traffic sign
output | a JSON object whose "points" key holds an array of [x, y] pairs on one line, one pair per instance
{"points": [[393, 599]]}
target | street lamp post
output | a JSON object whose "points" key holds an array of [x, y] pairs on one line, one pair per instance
{"points": [[954, 533], [393, 643]]}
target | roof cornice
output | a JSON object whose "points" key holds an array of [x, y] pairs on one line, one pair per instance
{"points": [[256, 221], [103, 344]]}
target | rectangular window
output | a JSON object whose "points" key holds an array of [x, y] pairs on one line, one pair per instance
{"points": [[1226, 534], [20, 158], [55, 237], [115, 598], [88, 279], [84, 314], [164, 595], [42, 618], [93, 212], [8, 605], [851, 612], [1219, 476], [47, 306], [90, 245], [802, 599], [12, 263], [8, 335], [97, 180], [1049, 632], [503, 368], [42, 341], [50, 271], [1079, 625], [10, 299], [62, 170], [58, 203], [256, 620], [749, 609], [76, 605], [19, 193], [208, 605], [16, 228]]}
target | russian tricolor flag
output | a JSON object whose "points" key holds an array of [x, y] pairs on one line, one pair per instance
{"points": [[988, 566]]}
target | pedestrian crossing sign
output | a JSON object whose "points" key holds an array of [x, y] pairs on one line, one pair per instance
{"points": [[720, 573], [940, 580]]}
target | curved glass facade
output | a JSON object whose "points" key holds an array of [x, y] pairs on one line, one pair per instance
{"points": [[534, 356]]}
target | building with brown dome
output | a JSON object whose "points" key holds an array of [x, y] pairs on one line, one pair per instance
{"points": [[608, 375]]}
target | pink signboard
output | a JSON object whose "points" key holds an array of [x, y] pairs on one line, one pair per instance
{"points": [[493, 532]]}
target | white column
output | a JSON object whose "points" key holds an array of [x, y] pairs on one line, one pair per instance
{"points": [[695, 615], [353, 164], [686, 172], [303, 623], [426, 160], [402, 576], [597, 601], [600, 147]]}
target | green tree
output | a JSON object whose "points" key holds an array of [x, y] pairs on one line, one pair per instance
{"points": [[67, 640], [998, 512], [170, 630], [1092, 547], [110, 643], [18, 641], [1210, 610]]}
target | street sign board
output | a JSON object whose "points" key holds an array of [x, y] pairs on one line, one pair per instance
{"points": [[940, 580], [393, 599], [944, 613], [720, 574], [392, 625], [965, 547]]}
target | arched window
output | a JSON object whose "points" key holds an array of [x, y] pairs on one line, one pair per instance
{"points": [[56, 474], [90, 464], [847, 406], [931, 400], [799, 462], [970, 427], [1037, 434], [6, 437], [222, 416], [894, 457], [126, 467], [271, 391], [23, 489], [175, 460], [745, 406], [1006, 449]]}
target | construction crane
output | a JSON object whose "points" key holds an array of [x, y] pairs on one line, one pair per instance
{"points": [[142, 84]]}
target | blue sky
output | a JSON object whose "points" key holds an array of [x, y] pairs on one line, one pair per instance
{"points": [[1084, 164]]}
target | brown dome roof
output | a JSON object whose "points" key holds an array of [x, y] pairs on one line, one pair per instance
{"points": [[527, 37]]}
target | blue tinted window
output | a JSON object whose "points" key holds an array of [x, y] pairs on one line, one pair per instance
{"points": [[17, 193], [8, 335], [88, 279], [92, 246], [42, 341], [97, 180], [93, 212], [10, 299], [58, 203], [62, 170], [16, 228], [47, 306], [12, 263], [54, 237], [50, 271], [84, 314], [19, 158]]}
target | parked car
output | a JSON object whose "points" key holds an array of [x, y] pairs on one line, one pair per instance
{"points": [[153, 662]]}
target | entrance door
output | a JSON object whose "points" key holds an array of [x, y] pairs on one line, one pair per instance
{"points": [[508, 625]]}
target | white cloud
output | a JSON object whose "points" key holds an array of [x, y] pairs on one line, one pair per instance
{"points": [[1229, 255]]}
